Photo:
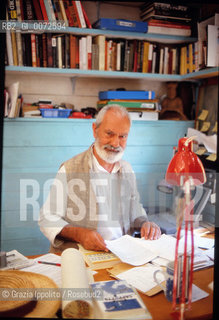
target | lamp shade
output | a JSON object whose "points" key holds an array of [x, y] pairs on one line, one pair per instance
{"points": [[185, 165]]}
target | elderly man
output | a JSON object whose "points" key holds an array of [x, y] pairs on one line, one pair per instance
{"points": [[94, 196]]}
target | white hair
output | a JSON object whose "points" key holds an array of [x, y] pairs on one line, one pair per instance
{"points": [[115, 107]]}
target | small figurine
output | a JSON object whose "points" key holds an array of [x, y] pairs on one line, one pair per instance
{"points": [[172, 106]]}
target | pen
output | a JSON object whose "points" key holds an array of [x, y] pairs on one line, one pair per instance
{"points": [[51, 263]]}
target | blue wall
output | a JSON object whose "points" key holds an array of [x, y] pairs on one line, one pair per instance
{"points": [[34, 149]]}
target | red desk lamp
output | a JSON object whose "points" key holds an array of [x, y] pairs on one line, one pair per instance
{"points": [[186, 171]]}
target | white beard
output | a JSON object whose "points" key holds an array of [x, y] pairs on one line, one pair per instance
{"points": [[108, 156]]}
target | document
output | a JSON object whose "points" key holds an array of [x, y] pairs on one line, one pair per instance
{"points": [[51, 271], [137, 251], [128, 250], [140, 278]]}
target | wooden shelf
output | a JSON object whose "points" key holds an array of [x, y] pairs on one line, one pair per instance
{"points": [[40, 27], [72, 73]]}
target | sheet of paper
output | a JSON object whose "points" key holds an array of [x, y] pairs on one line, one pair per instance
{"points": [[75, 277], [212, 157], [198, 294], [203, 115], [203, 242], [126, 249], [210, 253], [210, 142], [51, 271], [164, 246], [215, 127], [200, 151], [205, 126], [140, 277]]}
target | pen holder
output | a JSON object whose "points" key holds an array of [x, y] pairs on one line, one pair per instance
{"points": [[169, 276]]}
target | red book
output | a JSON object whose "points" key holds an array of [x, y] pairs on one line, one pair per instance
{"points": [[43, 8], [89, 52], [37, 10], [76, 13], [86, 17], [44, 50], [68, 14], [135, 56], [22, 9], [72, 51], [168, 24], [72, 14], [49, 50]]}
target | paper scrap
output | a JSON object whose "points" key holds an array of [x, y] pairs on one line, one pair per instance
{"points": [[210, 142], [200, 151], [212, 157], [203, 115], [198, 294], [211, 285], [215, 127], [206, 126]]}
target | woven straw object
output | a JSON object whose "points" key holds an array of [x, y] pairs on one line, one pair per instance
{"points": [[13, 279]]}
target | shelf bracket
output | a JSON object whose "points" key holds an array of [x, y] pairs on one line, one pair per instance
{"points": [[73, 83]]}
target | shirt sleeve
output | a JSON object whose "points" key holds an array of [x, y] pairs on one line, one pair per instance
{"points": [[52, 214]]}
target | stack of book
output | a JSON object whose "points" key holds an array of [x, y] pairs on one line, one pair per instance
{"points": [[141, 105], [167, 18]]}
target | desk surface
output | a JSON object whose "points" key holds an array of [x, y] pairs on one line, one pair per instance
{"points": [[161, 309]]}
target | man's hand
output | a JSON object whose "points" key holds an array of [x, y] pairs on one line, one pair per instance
{"points": [[150, 231], [92, 240]]}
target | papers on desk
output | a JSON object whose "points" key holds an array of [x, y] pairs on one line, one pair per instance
{"points": [[51, 271], [128, 251], [137, 251]]}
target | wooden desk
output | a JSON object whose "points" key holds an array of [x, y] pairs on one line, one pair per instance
{"points": [[161, 309]]}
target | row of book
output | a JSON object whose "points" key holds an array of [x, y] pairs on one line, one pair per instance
{"points": [[167, 18], [70, 11], [99, 53]]}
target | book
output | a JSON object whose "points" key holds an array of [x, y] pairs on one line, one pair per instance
{"points": [[28, 10], [33, 50], [37, 9], [87, 21], [145, 56], [100, 41], [54, 52], [9, 48], [98, 259], [43, 8], [89, 52], [62, 9], [49, 10], [186, 32], [116, 299], [165, 9], [49, 50], [126, 95], [212, 46], [11, 10], [78, 7], [83, 53], [147, 104], [119, 300]]}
